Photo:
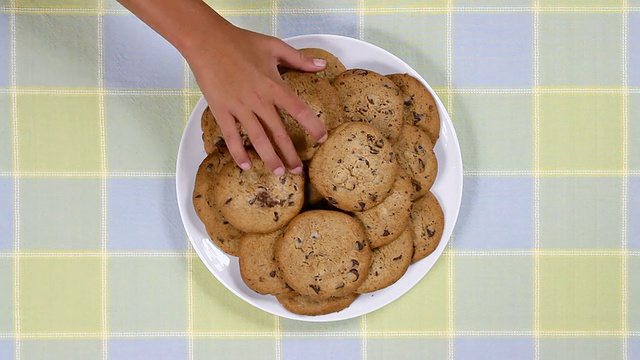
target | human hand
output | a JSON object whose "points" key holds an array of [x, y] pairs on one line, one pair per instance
{"points": [[239, 78]]}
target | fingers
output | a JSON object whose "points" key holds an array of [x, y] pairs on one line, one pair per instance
{"points": [[280, 138], [233, 140], [295, 59], [299, 110], [261, 142]]}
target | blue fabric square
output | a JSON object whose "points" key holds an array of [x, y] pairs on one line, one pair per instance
{"points": [[137, 57], [496, 213], [302, 24], [6, 213], [634, 213], [634, 49], [492, 50], [494, 348], [143, 215], [152, 349], [4, 50], [634, 348], [6, 349], [6, 151], [320, 349]]}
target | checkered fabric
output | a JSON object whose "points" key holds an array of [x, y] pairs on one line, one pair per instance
{"points": [[545, 259]]}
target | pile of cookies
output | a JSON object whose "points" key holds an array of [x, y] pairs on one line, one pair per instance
{"points": [[362, 213]]}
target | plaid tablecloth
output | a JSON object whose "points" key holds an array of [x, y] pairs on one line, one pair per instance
{"points": [[545, 259]]}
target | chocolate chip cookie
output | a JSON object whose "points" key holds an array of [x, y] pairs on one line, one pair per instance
{"points": [[427, 222], [323, 254], [212, 134], [255, 200], [372, 98], [415, 155], [355, 168], [258, 266], [304, 305], [420, 108], [334, 66]]}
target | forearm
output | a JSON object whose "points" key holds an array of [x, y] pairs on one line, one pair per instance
{"points": [[186, 24]]}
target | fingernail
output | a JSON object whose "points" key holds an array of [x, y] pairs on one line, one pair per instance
{"points": [[297, 170], [319, 62], [245, 166], [279, 171], [324, 138]]}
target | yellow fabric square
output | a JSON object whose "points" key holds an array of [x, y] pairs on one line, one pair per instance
{"points": [[580, 132], [216, 309], [580, 293], [404, 3], [581, 3], [59, 133], [60, 295], [423, 308]]}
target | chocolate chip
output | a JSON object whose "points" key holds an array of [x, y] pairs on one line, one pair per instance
{"points": [[225, 222], [335, 188], [416, 186], [430, 232], [354, 263], [228, 201], [355, 272], [209, 166], [370, 100], [408, 103], [339, 161], [315, 288], [272, 273], [380, 143], [386, 232], [220, 142], [422, 165], [374, 151], [198, 196], [332, 200], [373, 197], [283, 179], [298, 243], [397, 258], [276, 217], [340, 286], [359, 245], [370, 138]]}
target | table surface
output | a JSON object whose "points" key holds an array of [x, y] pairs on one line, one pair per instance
{"points": [[545, 258]]}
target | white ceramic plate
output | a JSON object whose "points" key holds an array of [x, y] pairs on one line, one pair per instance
{"points": [[447, 188]]}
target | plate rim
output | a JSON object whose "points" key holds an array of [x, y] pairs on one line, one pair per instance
{"points": [[445, 120]]}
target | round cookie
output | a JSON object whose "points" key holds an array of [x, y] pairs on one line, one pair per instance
{"points": [[221, 232], [319, 95], [389, 263], [415, 155], [323, 254], [355, 168], [420, 108], [386, 221], [212, 134], [427, 223], [303, 305], [334, 66], [372, 98], [255, 200], [258, 266]]}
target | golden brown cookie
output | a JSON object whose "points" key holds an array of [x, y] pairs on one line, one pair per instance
{"points": [[372, 98], [212, 134], [304, 305], [320, 96], [389, 263], [255, 200], [427, 222], [258, 266], [386, 221], [420, 108], [355, 168], [334, 66], [415, 155], [223, 234], [323, 254]]}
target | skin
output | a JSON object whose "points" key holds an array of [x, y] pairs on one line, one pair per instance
{"points": [[237, 72]]}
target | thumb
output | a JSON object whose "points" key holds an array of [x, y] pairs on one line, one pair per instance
{"points": [[294, 59]]}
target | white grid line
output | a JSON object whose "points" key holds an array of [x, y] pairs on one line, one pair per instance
{"points": [[625, 180], [536, 181], [327, 334], [16, 183]]}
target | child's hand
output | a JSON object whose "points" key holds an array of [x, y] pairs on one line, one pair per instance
{"points": [[240, 80], [237, 72]]}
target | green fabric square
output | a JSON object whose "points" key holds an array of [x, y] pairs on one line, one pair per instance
{"points": [[216, 309], [580, 348], [498, 285], [306, 327], [113, 5], [423, 308], [407, 348], [580, 293], [580, 132], [221, 5], [492, 3], [634, 293], [404, 3], [64, 127], [6, 149], [573, 3], [143, 132], [6, 295], [56, 50], [147, 294], [260, 23], [225, 348], [580, 212], [634, 131], [60, 294], [74, 349], [425, 50], [58, 4], [580, 49], [485, 119], [65, 209]]}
